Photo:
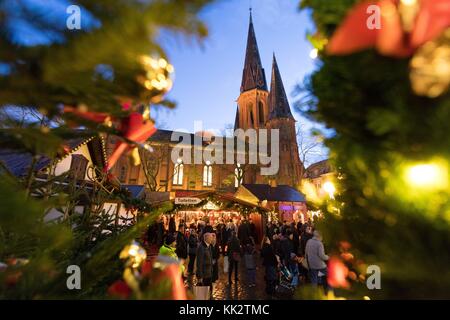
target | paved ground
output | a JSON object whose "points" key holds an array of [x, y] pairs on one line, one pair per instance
{"points": [[240, 290], [237, 291]]}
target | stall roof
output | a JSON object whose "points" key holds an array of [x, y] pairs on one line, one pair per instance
{"points": [[223, 196], [278, 193]]}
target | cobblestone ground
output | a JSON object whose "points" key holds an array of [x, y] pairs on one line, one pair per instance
{"points": [[240, 290]]}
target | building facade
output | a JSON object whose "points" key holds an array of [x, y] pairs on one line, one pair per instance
{"points": [[258, 107]]}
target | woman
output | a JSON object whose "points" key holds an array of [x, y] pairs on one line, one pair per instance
{"points": [[270, 263], [234, 256]]}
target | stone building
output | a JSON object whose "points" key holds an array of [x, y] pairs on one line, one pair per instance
{"points": [[257, 108]]}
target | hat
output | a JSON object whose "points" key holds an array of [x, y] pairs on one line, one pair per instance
{"points": [[170, 238]]}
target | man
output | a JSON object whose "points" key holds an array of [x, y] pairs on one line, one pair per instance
{"points": [[205, 261], [316, 257]]}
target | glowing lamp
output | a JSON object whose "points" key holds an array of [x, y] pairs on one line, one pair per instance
{"points": [[428, 175]]}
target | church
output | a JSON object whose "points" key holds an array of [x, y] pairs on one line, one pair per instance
{"points": [[260, 105]]}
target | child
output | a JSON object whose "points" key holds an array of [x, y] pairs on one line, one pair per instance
{"points": [[250, 263]]}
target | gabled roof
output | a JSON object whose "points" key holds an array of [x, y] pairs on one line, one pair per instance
{"points": [[253, 76], [319, 168], [19, 162], [278, 193], [278, 102]]}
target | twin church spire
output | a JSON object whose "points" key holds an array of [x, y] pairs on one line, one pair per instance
{"points": [[253, 77]]}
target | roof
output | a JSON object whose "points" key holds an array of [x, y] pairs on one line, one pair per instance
{"points": [[136, 190], [278, 193], [319, 168], [220, 195], [19, 162], [253, 76], [278, 102], [184, 138]]}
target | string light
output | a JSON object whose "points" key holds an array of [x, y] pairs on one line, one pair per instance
{"points": [[314, 53], [427, 175], [329, 188]]}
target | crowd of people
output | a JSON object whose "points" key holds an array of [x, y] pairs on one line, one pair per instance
{"points": [[291, 253]]}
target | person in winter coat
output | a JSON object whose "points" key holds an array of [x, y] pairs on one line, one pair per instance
{"points": [[169, 247], [316, 258], [252, 230], [276, 244], [160, 230], [192, 250], [287, 248], [250, 263], [215, 249], [172, 225], [181, 248], [270, 264], [295, 238], [306, 235], [234, 256], [244, 232], [205, 261]]}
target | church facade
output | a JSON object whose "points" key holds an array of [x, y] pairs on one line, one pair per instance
{"points": [[260, 105]]}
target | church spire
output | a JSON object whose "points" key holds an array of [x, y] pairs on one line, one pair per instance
{"points": [[253, 76], [278, 102]]}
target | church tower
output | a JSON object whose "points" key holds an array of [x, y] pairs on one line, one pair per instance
{"points": [[280, 117], [252, 110]]}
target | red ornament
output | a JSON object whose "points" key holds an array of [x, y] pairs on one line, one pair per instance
{"points": [[390, 39], [172, 272], [133, 128], [119, 289], [337, 273]]}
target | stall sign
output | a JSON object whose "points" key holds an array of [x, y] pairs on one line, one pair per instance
{"points": [[187, 200]]}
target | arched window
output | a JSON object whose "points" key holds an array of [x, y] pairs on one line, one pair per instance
{"points": [[261, 112], [207, 174], [178, 173], [238, 176]]}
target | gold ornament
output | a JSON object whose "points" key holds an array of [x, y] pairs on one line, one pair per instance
{"points": [[134, 254], [430, 67], [134, 156]]}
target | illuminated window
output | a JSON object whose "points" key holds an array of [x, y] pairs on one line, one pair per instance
{"points": [[178, 173], [238, 176], [207, 174]]}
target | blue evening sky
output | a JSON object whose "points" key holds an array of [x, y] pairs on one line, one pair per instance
{"points": [[208, 75]]}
